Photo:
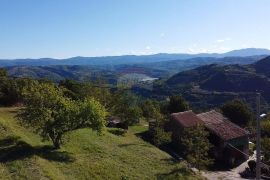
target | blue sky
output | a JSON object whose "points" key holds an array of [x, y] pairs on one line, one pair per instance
{"points": [[66, 28]]}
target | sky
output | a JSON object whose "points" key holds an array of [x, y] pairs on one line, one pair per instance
{"points": [[67, 28]]}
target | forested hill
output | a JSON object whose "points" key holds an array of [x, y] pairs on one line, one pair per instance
{"points": [[263, 66], [212, 85], [226, 78]]}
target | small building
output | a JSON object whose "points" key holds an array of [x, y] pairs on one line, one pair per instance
{"points": [[116, 122], [230, 141], [178, 122]]}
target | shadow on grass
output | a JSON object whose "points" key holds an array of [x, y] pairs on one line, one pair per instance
{"points": [[117, 132], [175, 174], [13, 111], [171, 161], [222, 166], [134, 144], [168, 148], [12, 149], [144, 135]]}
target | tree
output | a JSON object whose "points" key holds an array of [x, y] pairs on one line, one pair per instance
{"points": [[266, 139], [238, 112], [266, 149], [80, 91], [11, 89], [52, 115], [158, 133], [196, 146], [160, 136], [177, 104], [125, 105], [265, 128], [151, 109]]}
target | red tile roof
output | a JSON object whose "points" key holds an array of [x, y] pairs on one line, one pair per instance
{"points": [[186, 119], [221, 126]]}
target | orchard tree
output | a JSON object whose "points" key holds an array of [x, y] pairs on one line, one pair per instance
{"points": [[238, 112], [196, 146], [177, 104], [52, 115]]}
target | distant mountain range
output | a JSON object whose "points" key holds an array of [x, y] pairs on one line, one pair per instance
{"points": [[157, 70], [129, 59]]}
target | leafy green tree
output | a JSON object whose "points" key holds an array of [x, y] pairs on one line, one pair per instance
{"points": [[177, 104], [238, 112], [151, 109], [158, 133], [160, 136], [125, 105], [196, 146], [52, 115], [11, 90], [82, 90]]}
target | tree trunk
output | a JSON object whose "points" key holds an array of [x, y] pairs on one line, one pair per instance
{"points": [[56, 139], [56, 144]]}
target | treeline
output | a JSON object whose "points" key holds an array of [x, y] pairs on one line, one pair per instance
{"points": [[54, 109]]}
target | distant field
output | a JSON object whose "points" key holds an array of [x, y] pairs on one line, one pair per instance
{"points": [[84, 155]]}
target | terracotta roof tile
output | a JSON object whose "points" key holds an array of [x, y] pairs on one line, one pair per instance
{"points": [[221, 126], [186, 119]]}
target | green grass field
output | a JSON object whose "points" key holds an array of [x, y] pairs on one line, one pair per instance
{"points": [[84, 155]]}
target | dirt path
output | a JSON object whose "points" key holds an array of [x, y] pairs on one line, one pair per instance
{"points": [[227, 175]]}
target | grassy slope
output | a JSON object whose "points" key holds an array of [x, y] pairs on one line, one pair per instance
{"points": [[84, 155]]}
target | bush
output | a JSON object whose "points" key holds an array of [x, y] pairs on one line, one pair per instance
{"points": [[160, 137], [238, 112]]}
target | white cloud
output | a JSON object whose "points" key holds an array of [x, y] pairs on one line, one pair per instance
{"points": [[223, 40], [148, 48]]}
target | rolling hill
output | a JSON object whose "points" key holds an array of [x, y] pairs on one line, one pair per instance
{"points": [[211, 85], [57, 73], [113, 72], [84, 155], [128, 59]]}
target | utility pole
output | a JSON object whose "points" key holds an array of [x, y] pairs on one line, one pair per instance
{"points": [[258, 139]]}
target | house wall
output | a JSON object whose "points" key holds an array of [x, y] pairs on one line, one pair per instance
{"points": [[221, 150], [232, 156], [241, 144]]}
